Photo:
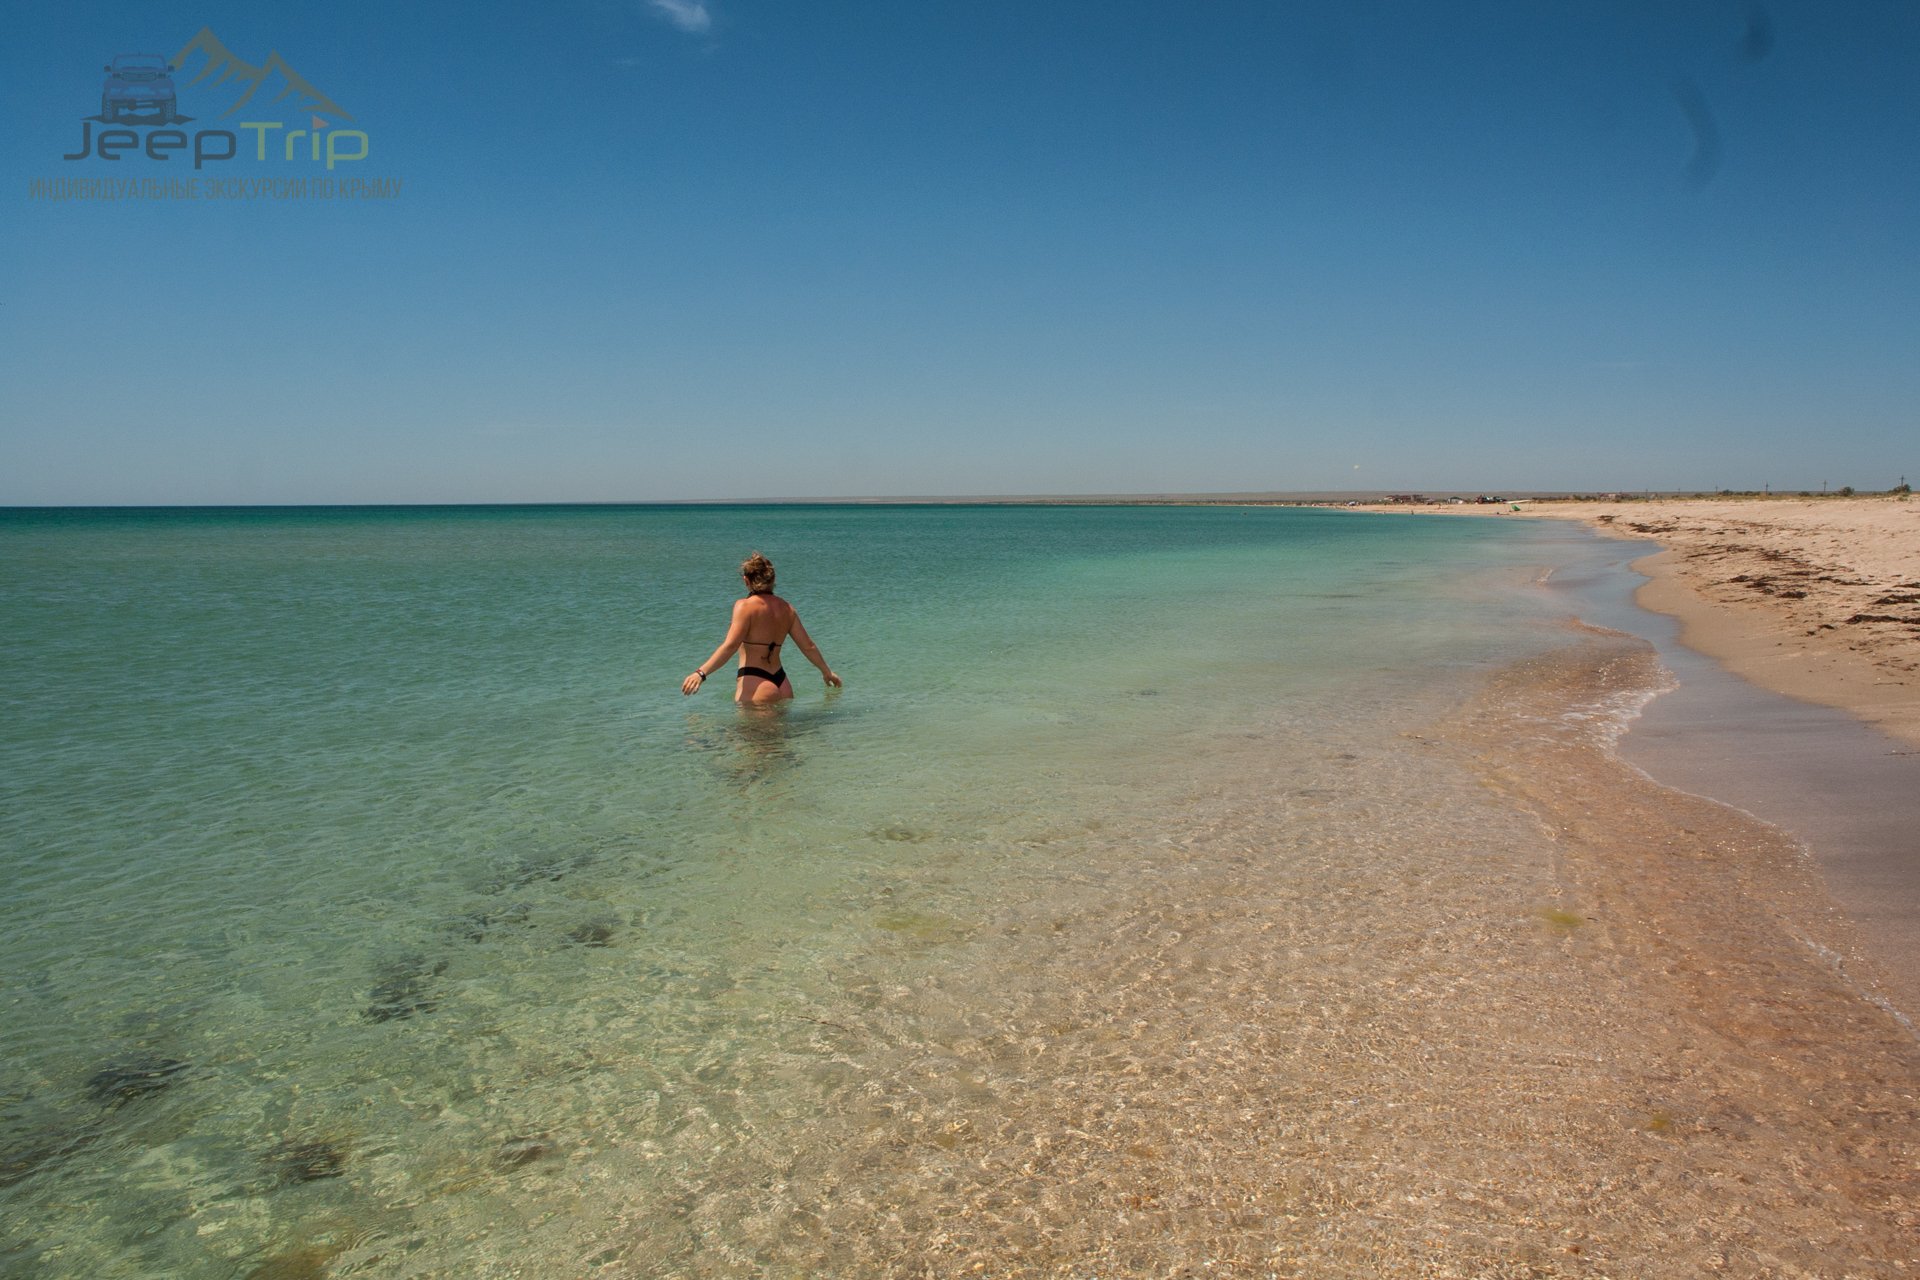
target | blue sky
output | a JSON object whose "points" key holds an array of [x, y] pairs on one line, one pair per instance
{"points": [[753, 249]]}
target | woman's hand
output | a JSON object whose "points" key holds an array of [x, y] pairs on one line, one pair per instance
{"points": [[833, 681], [691, 683]]}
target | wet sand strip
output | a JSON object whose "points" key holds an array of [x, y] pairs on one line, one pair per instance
{"points": [[1847, 790]]}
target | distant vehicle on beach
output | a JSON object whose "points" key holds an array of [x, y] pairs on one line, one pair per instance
{"points": [[138, 83]]}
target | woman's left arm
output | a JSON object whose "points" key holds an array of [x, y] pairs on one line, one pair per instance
{"points": [[736, 636]]}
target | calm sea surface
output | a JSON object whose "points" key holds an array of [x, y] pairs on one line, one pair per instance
{"points": [[374, 901]]}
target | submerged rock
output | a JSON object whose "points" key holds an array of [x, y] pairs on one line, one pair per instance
{"points": [[405, 988], [476, 925], [24, 1154], [293, 1162], [534, 870], [920, 926], [516, 1152], [141, 1077], [307, 1262], [472, 926], [597, 932]]}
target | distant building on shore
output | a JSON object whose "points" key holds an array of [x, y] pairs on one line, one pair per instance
{"points": [[1406, 499]]}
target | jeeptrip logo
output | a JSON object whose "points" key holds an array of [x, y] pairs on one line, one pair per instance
{"points": [[206, 123]]}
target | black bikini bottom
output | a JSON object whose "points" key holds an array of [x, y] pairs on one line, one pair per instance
{"points": [[777, 677]]}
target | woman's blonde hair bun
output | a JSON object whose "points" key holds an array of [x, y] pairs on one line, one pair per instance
{"points": [[758, 571]]}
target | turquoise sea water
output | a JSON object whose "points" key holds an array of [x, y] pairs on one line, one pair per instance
{"points": [[374, 900]]}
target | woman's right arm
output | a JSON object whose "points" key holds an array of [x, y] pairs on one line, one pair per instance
{"points": [[736, 636], [812, 650]]}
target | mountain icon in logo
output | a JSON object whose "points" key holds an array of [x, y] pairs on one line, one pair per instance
{"points": [[230, 66]]}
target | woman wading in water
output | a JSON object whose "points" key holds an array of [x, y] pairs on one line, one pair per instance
{"points": [[761, 624]]}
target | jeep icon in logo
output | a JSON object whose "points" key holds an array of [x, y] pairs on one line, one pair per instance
{"points": [[139, 88]]}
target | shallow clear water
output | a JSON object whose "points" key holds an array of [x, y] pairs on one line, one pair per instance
{"points": [[430, 931]]}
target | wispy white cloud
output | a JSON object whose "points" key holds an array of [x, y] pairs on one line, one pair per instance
{"points": [[688, 15]]}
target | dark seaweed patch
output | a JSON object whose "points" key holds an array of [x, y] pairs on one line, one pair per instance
{"points": [[534, 869], [515, 1153], [476, 925], [24, 1154], [404, 988], [124, 1082], [306, 1262], [294, 1162], [597, 932]]}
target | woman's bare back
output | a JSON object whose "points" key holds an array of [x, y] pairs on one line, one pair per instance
{"points": [[766, 620]]}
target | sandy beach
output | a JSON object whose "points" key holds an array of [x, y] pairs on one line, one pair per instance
{"points": [[1816, 598]]}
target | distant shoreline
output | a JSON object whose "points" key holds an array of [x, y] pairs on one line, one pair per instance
{"points": [[1814, 598]]}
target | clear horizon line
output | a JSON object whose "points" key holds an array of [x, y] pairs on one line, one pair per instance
{"points": [[1143, 497]]}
